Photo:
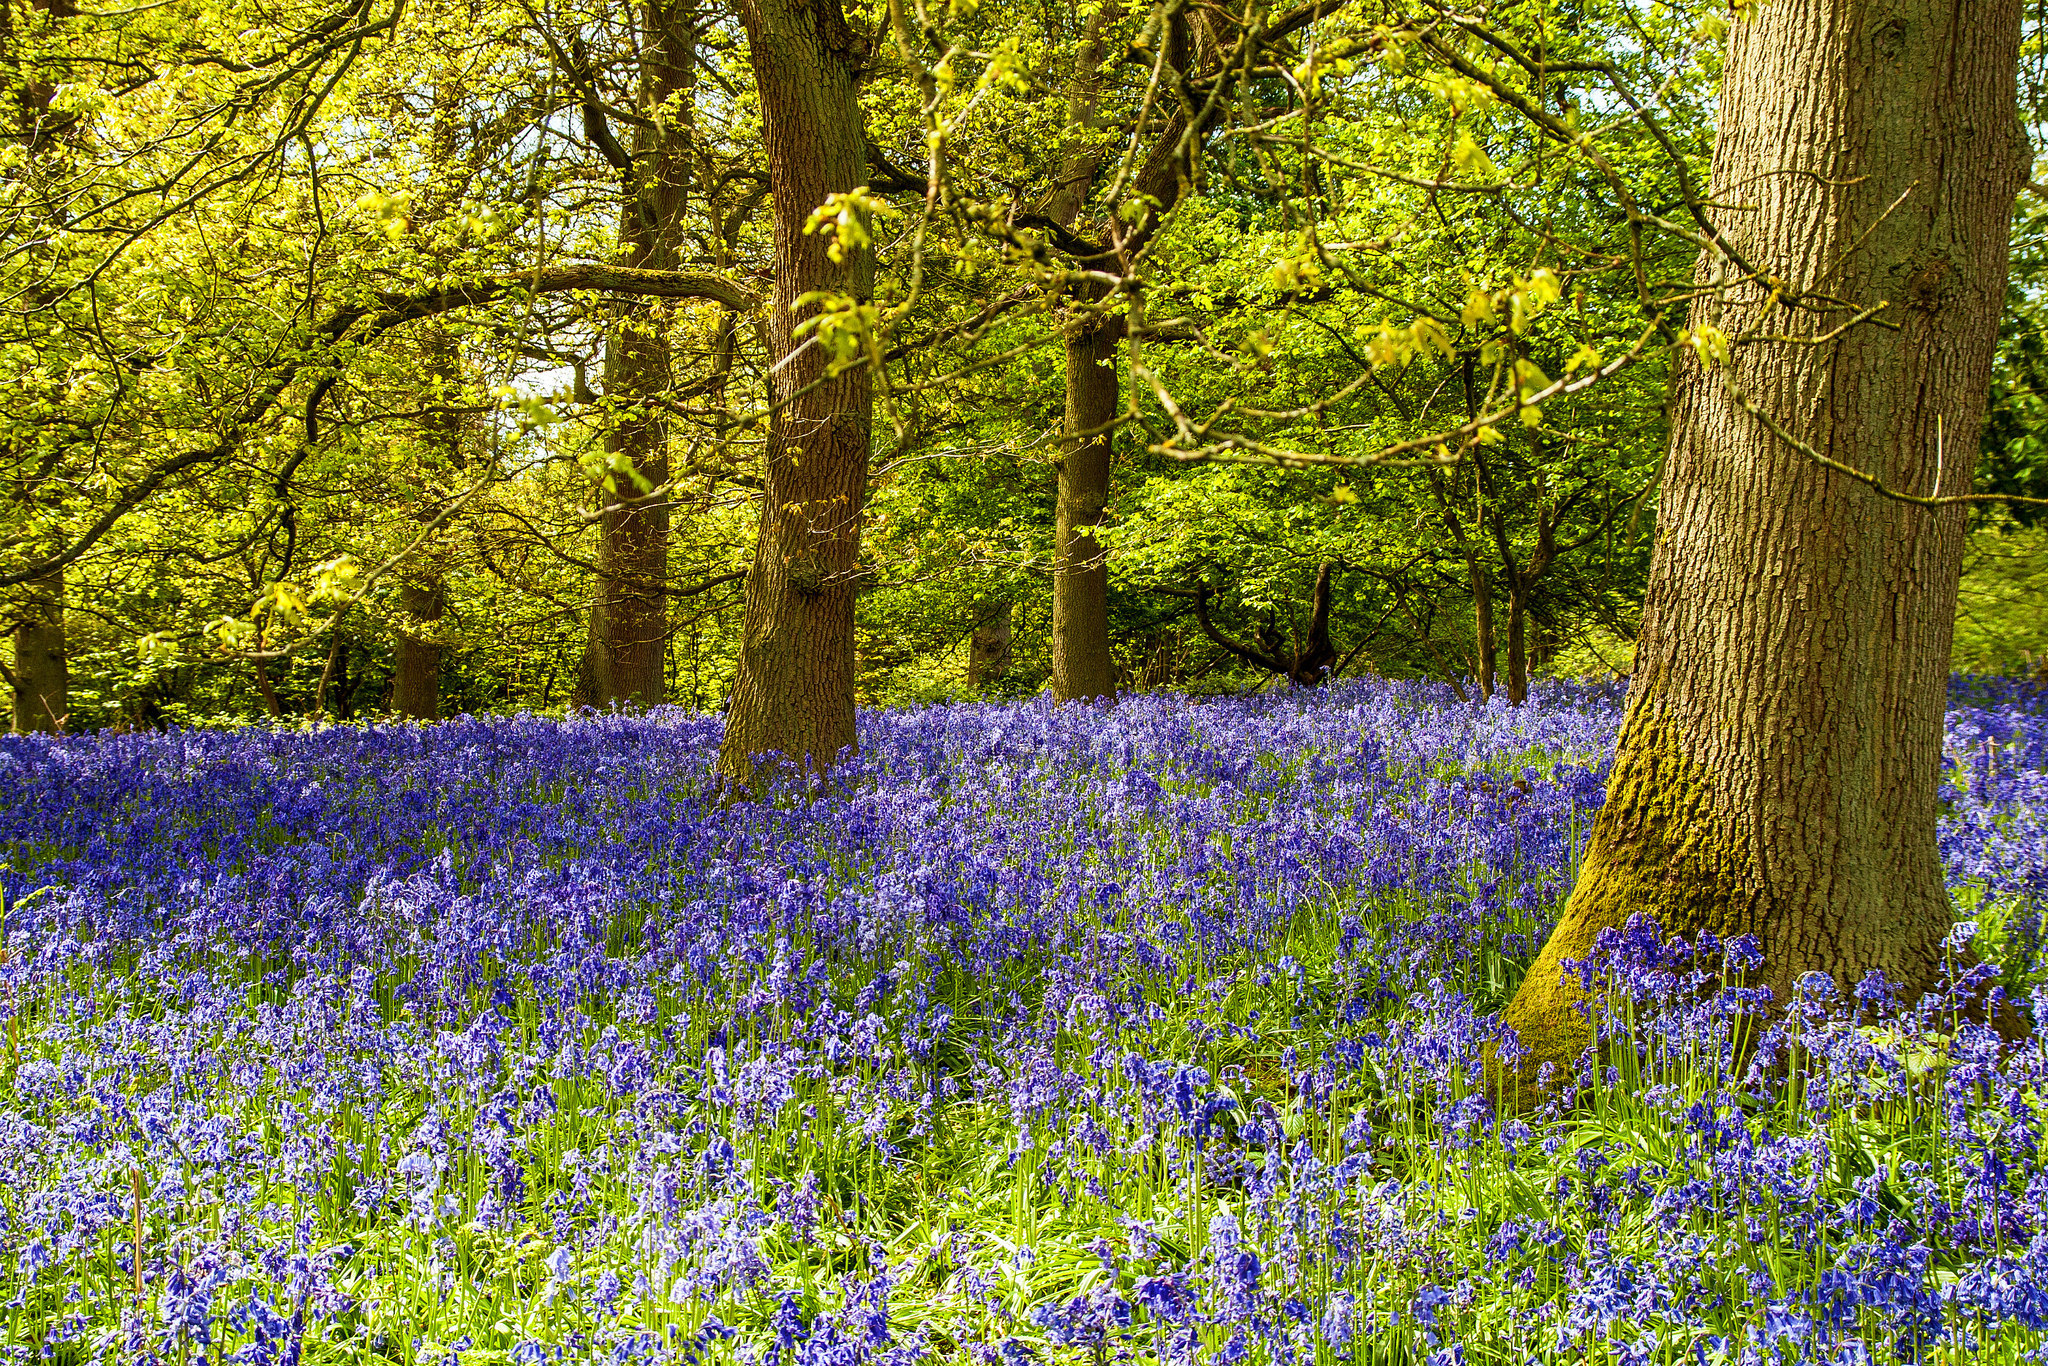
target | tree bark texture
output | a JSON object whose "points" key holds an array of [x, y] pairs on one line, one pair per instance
{"points": [[1082, 666], [793, 693], [42, 674], [1777, 769], [626, 656]]}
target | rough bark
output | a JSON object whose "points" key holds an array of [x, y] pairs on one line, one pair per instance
{"points": [[42, 673], [1082, 666], [1777, 769], [793, 693]]}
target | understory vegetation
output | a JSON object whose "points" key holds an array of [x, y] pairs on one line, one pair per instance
{"points": [[1042, 1034]]}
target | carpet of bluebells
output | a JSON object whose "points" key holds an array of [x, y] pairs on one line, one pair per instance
{"points": [[1049, 1036]]}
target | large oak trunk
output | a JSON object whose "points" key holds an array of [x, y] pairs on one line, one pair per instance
{"points": [[1081, 663], [1777, 769], [42, 673], [793, 694]]}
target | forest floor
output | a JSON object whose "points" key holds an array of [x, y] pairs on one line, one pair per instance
{"points": [[1076, 1035]]}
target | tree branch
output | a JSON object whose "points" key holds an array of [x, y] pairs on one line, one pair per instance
{"points": [[382, 313]]}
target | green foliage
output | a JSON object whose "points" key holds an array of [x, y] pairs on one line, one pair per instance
{"points": [[2002, 610], [1367, 334]]}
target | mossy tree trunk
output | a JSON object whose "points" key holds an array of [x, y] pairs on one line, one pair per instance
{"points": [[793, 694], [1777, 768]]}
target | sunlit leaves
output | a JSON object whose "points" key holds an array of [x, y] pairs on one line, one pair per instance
{"points": [[847, 219]]}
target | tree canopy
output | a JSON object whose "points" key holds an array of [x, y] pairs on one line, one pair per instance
{"points": [[434, 355]]}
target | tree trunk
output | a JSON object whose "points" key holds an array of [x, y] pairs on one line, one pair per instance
{"points": [[988, 649], [626, 657], [267, 690], [793, 694], [42, 673], [423, 587], [42, 669], [1777, 769], [1518, 651], [416, 669], [1485, 651], [1081, 663]]}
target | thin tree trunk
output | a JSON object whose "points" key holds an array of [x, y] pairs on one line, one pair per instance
{"points": [[628, 651], [334, 650], [42, 672], [1485, 651], [423, 582], [267, 690], [42, 668], [1518, 651], [1082, 666], [1778, 766], [793, 694]]}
